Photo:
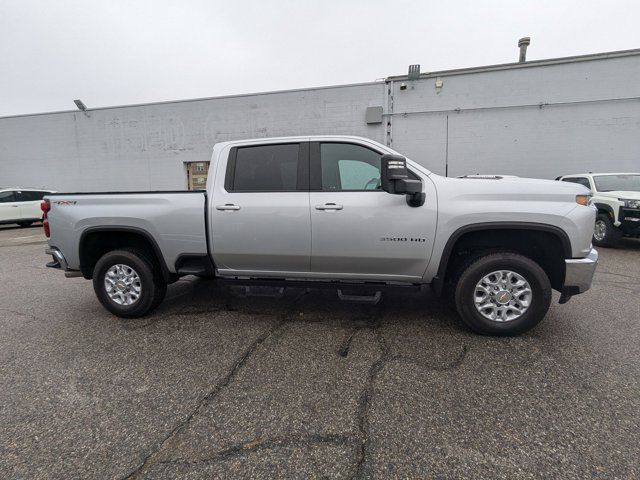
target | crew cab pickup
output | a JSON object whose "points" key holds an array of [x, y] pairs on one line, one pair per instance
{"points": [[340, 212]]}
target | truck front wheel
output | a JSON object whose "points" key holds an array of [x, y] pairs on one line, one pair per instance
{"points": [[128, 283], [502, 294]]}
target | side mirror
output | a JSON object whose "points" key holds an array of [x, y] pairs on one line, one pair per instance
{"points": [[394, 179]]}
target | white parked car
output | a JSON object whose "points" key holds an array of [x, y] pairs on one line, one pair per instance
{"points": [[21, 205], [617, 197]]}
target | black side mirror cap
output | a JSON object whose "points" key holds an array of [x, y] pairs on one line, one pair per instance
{"points": [[408, 186], [416, 199], [392, 169], [395, 180], [413, 190]]}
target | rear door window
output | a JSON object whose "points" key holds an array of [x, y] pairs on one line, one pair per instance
{"points": [[264, 168], [29, 196]]}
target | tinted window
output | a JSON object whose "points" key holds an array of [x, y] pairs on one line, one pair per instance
{"points": [[6, 197], [266, 168], [349, 167], [29, 196], [581, 180]]}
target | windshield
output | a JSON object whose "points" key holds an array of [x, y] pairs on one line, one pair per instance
{"points": [[610, 183]]}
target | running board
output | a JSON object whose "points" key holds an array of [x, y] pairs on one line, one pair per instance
{"points": [[335, 285]]}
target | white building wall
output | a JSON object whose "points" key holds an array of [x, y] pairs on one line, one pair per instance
{"points": [[493, 121], [145, 147], [486, 120]]}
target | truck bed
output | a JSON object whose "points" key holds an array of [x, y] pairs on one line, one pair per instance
{"points": [[173, 221]]}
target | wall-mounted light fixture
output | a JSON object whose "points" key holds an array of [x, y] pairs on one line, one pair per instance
{"points": [[82, 107]]}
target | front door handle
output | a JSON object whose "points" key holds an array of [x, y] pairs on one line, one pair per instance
{"points": [[228, 206], [329, 206]]}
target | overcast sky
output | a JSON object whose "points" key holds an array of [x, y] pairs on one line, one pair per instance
{"points": [[115, 52]]}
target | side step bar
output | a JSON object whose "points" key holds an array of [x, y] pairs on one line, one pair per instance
{"points": [[372, 299], [335, 285]]}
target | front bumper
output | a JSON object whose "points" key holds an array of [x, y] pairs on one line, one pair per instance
{"points": [[629, 220], [579, 275]]}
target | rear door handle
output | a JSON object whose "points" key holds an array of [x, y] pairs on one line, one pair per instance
{"points": [[329, 206], [228, 206]]}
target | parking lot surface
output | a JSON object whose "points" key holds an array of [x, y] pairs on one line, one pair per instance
{"points": [[220, 384]]}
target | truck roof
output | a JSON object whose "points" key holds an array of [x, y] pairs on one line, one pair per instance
{"points": [[25, 189], [298, 138], [221, 146]]}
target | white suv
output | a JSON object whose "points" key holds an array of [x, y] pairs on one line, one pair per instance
{"points": [[21, 206], [617, 197]]}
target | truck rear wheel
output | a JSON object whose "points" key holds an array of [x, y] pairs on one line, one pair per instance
{"points": [[605, 234], [128, 283], [502, 294]]}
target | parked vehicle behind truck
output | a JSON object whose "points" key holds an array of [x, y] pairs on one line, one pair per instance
{"points": [[339, 212], [617, 198], [21, 205]]}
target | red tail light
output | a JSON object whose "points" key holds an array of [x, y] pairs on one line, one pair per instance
{"points": [[45, 206]]}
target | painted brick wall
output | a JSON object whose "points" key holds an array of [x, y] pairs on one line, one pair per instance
{"points": [[500, 128], [479, 122], [145, 147]]}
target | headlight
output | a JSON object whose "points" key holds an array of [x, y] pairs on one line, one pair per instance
{"points": [[630, 203], [583, 200]]}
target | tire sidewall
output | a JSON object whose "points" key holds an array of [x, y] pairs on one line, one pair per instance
{"points": [[144, 271], [611, 235], [528, 269]]}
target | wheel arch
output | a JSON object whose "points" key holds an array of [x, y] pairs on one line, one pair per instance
{"points": [[96, 241], [605, 208], [515, 231]]}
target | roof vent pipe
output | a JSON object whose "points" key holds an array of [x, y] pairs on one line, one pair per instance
{"points": [[523, 43]]}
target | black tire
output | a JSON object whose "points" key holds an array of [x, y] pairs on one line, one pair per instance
{"points": [[478, 268], [153, 285], [612, 235], [25, 224]]}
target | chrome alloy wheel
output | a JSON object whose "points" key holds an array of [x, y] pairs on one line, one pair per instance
{"points": [[122, 284], [502, 296], [600, 230]]}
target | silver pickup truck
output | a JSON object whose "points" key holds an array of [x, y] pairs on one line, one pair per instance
{"points": [[339, 212]]}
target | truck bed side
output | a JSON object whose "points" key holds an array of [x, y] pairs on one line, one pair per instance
{"points": [[173, 221]]}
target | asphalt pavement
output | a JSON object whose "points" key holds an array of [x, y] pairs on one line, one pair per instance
{"points": [[221, 384]]}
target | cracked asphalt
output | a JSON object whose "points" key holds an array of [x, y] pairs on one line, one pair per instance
{"points": [[218, 384]]}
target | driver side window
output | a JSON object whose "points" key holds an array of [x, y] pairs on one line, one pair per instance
{"points": [[348, 167]]}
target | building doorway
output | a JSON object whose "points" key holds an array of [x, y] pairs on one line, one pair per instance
{"points": [[197, 175]]}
